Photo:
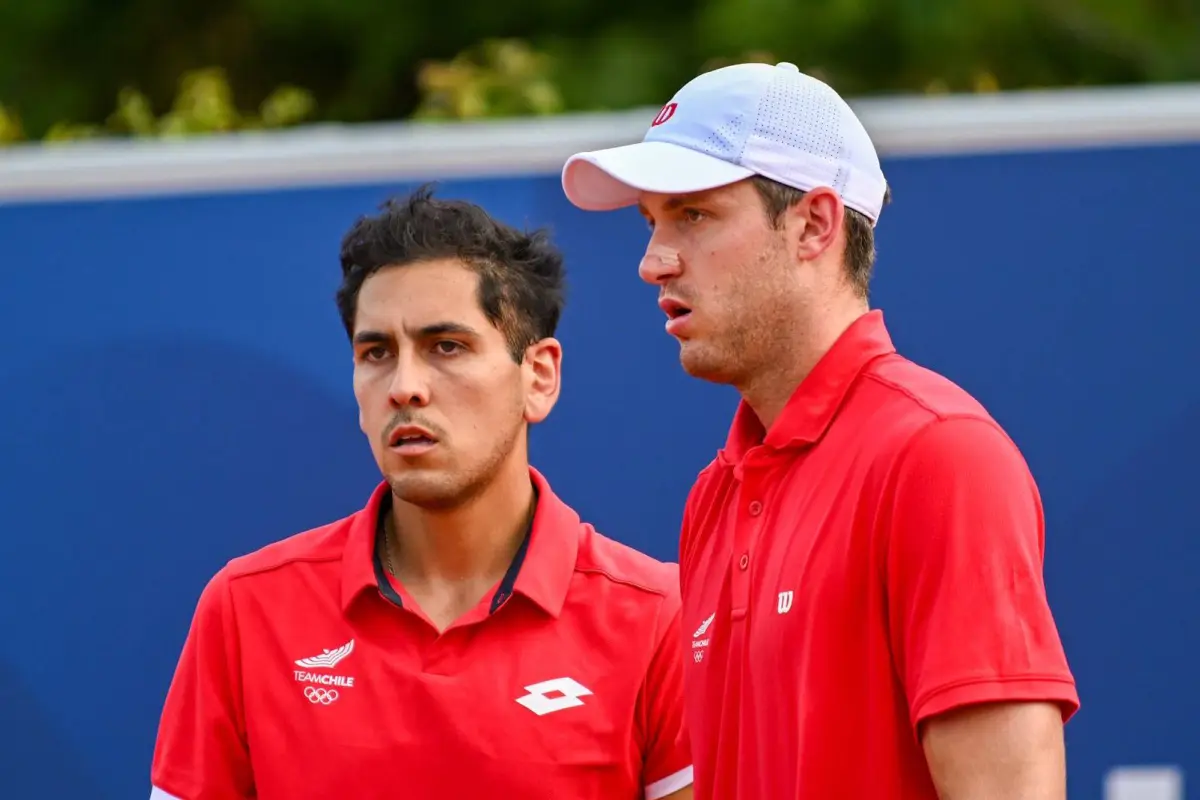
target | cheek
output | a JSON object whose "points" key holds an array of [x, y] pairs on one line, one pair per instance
{"points": [[504, 405], [370, 392], [745, 293], [481, 402], [719, 257], [359, 393], [362, 389]]}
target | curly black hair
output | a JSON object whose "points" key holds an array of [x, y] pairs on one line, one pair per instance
{"points": [[521, 277]]}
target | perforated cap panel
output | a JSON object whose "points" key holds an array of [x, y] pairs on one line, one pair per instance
{"points": [[804, 115]]}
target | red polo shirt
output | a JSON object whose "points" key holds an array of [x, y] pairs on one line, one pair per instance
{"points": [[307, 674], [875, 560]]}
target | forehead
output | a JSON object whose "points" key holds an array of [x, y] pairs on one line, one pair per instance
{"points": [[733, 195], [417, 294]]}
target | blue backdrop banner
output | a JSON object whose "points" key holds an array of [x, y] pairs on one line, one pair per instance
{"points": [[176, 391]]}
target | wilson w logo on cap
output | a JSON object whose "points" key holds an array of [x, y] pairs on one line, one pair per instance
{"points": [[665, 114]]}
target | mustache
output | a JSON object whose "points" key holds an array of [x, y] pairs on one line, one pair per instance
{"points": [[407, 417], [678, 293]]}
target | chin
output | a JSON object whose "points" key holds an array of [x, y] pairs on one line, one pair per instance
{"points": [[703, 364], [424, 489], [433, 490]]}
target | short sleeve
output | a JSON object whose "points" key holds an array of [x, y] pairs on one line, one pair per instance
{"points": [[666, 762], [200, 752], [968, 615]]}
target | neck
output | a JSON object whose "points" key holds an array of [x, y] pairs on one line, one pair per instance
{"points": [[768, 390], [469, 545]]}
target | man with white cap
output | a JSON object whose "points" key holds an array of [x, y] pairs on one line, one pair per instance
{"points": [[861, 564]]}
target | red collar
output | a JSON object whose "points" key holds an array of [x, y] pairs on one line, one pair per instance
{"points": [[818, 397], [542, 568]]}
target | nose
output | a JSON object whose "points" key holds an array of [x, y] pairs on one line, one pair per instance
{"points": [[660, 264], [410, 384]]}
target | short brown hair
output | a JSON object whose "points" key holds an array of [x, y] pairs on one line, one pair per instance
{"points": [[860, 235]]}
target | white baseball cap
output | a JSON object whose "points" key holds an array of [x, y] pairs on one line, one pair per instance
{"points": [[728, 125]]}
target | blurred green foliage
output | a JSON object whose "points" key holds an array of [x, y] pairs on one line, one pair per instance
{"points": [[500, 78], [363, 60], [203, 104]]}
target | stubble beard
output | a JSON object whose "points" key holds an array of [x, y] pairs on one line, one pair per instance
{"points": [[452, 487], [746, 345]]}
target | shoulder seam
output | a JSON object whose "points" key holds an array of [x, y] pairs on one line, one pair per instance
{"points": [[623, 581], [902, 390], [236, 570], [911, 442], [938, 415]]}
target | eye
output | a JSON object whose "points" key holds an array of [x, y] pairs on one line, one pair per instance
{"points": [[693, 214], [447, 347], [375, 353]]}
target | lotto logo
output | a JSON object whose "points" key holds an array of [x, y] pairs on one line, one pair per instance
{"points": [[553, 695]]}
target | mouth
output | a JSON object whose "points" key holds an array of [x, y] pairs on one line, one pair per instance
{"points": [[673, 309], [411, 439]]}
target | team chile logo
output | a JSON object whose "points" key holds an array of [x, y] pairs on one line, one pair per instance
{"points": [[319, 687], [700, 638]]}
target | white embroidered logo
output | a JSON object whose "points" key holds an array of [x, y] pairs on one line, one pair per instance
{"points": [[698, 643], [539, 701], [785, 602], [313, 681], [316, 694], [328, 659]]}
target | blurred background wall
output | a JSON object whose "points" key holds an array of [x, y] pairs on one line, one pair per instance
{"points": [[176, 384]]}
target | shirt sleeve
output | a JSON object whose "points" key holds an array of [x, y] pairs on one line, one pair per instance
{"points": [[667, 764], [201, 752], [969, 618]]}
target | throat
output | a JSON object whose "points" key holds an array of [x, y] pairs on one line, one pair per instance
{"points": [[447, 589], [450, 562], [445, 603]]}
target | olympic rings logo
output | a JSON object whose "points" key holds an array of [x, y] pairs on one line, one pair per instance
{"points": [[316, 694]]}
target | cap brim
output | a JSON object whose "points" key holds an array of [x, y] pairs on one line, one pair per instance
{"points": [[603, 180]]}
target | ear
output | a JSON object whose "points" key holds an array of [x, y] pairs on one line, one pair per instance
{"points": [[542, 370], [814, 224]]}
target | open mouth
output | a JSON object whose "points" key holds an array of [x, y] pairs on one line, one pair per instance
{"points": [[405, 440], [679, 313], [674, 309], [410, 437]]}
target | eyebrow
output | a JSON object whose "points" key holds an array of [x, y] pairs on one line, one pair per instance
{"points": [[443, 328], [678, 201], [424, 332]]}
